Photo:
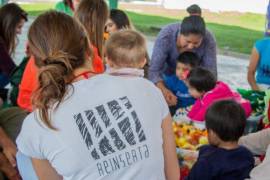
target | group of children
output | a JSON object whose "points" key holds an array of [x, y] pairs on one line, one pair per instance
{"points": [[211, 104], [198, 87]]}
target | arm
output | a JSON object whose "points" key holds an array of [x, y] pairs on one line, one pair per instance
{"points": [[9, 148], [258, 142], [172, 170], [158, 60], [254, 59], [44, 170], [209, 59], [159, 56], [171, 99]]}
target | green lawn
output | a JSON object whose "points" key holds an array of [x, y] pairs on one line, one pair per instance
{"points": [[37, 8], [237, 33], [233, 38]]}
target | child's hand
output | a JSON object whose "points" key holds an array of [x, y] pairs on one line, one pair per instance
{"points": [[170, 97]]}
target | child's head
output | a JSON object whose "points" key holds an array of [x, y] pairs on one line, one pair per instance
{"points": [[126, 49], [200, 81], [185, 62], [225, 122]]}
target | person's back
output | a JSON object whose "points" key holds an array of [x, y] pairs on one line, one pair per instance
{"points": [[223, 159], [263, 69], [223, 164], [113, 136], [206, 89], [89, 126]]}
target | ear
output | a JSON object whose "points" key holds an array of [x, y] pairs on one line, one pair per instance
{"points": [[142, 64]]}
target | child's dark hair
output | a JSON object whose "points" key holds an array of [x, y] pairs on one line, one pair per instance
{"points": [[188, 58], [201, 79], [227, 119]]}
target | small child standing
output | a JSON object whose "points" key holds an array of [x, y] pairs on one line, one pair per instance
{"points": [[223, 159], [176, 83], [203, 86]]}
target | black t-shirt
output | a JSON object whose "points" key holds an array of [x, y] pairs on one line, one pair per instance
{"points": [[220, 164]]}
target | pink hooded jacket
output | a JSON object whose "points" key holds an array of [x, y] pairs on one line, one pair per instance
{"points": [[220, 92]]}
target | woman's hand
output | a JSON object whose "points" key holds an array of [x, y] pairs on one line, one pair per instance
{"points": [[9, 171], [9, 148], [10, 151]]}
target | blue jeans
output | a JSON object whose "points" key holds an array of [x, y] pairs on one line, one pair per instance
{"points": [[25, 167]]}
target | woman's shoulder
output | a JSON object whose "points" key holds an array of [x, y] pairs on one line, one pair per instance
{"points": [[262, 43], [209, 38], [32, 122], [169, 30]]}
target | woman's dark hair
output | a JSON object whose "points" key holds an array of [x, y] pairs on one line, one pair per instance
{"points": [[10, 16], [227, 119], [193, 25], [120, 19], [189, 58], [194, 9], [201, 79], [93, 15]]}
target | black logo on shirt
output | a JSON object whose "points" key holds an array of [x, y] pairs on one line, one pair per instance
{"points": [[111, 128]]}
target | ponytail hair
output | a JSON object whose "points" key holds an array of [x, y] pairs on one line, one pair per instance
{"points": [[93, 14], [59, 45]]}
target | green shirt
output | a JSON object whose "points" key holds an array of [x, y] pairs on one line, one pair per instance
{"points": [[62, 7]]}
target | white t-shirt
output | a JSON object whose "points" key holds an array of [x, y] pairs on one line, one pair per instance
{"points": [[109, 128]]}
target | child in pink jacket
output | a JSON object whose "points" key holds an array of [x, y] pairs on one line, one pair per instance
{"points": [[203, 86]]}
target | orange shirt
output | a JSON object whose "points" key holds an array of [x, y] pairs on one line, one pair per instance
{"points": [[29, 81]]}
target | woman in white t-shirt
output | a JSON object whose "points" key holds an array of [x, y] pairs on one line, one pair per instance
{"points": [[86, 126]]}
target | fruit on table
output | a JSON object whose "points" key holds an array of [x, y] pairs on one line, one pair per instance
{"points": [[189, 137], [203, 140]]}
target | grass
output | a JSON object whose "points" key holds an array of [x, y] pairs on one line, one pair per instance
{"points": [[37, 8], [233, 32], [229, 37]]}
